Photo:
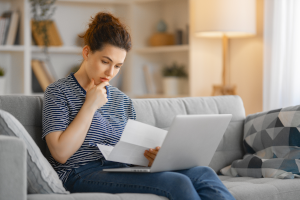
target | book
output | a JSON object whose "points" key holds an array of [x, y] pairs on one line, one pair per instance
{"points": [[42, 74], [35, 85], [136, 138], [12, 28], [2, 24], [49, 71], [7, 15], [52, 32]]}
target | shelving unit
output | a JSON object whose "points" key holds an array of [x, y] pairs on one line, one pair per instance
{"points": [[72, 17]]}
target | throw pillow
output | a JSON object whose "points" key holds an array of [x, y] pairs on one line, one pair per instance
{"points": [[272, 145], [41, 177]]}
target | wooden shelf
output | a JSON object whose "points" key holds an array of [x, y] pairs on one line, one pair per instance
{"points": [[11, 48], [122, 2], [163, 49], [63, 49]]}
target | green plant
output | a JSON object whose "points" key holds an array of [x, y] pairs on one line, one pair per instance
{"points": [[1, 72], [174, 70]]}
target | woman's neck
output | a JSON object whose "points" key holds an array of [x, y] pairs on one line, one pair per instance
{"points": [[82, 77]]}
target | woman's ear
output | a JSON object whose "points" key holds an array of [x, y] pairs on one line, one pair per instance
{"points": [[85, 52]]}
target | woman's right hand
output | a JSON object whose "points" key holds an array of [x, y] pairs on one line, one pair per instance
{"points": [[96, 95]]}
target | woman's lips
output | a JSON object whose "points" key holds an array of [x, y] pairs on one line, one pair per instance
{"points": [[104, 79]]}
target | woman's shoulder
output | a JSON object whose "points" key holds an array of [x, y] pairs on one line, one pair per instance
{"points": [[59, 86], [117, 93]]}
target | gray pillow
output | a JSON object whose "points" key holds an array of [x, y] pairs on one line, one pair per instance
{"points": [[41, 177]]}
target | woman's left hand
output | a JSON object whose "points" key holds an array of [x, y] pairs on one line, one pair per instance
{"points": [[151, 154]]}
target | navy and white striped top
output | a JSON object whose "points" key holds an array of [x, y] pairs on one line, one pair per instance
{"points": [[63, 100]]}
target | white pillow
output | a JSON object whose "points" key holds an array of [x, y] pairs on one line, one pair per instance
{"points": [[41, 177]]}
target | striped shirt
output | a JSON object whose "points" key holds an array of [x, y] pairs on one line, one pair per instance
{"points": [[63, 100]]}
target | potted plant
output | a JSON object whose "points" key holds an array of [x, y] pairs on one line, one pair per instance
{"points": [[2, 81], [174, 79]]}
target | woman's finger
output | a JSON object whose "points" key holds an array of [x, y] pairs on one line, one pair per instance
{"points": [[150, 155], [150, 160], [153, 151]]}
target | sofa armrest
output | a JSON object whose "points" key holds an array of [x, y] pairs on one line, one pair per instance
{"points": [[13, 174]]}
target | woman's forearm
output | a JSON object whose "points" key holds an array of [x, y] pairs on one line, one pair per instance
{"points": [[64, 144]]}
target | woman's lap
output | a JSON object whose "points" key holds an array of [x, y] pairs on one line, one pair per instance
{"points": [[182, 184]]}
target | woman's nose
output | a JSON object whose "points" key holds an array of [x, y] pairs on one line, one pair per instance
{"points": [[110, 71]]}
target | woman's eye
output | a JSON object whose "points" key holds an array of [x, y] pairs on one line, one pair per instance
{"points": [[104, 62], [118, 66]]}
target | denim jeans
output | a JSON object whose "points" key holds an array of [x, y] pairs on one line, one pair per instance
{"points": [[195, 183]]}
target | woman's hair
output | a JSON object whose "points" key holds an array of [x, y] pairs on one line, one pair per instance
{"points": [[104, 29]]}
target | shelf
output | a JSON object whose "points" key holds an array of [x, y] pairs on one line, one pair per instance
{"points": [[63, 49], [163, 49], [122, 2], [161, 96], [11, 48]]}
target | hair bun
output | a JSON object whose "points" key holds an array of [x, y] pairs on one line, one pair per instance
{"points": [[104, 18], [105, 28]]}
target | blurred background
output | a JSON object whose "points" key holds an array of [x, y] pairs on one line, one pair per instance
{"points": [[181, 48]]}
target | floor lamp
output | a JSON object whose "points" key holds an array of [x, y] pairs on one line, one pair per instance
{"points": [[225, 19]]}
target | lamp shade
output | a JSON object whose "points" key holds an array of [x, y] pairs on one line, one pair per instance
{"points": [[233, 18]]}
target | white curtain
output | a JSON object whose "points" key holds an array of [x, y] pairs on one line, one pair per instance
{"points": [[281, 54]]}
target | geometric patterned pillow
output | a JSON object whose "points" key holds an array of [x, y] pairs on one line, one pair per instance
{"points": [[41, 177], [272, 145]]}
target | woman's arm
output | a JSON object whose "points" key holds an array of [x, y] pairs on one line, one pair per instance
{"points": [[63, 144]]}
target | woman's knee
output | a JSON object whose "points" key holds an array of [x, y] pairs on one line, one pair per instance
{"points": [[181, 187]]}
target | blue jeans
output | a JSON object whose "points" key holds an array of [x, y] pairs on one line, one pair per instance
{"points": [[195, 183]]}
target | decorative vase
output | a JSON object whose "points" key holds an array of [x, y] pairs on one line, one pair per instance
{"points": [[2, 85], [174, 85], [161, 26]]}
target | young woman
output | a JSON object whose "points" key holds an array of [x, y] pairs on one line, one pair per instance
{"points": [[83, 110]]}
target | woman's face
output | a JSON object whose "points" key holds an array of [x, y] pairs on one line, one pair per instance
{"points": [[105, 63]]}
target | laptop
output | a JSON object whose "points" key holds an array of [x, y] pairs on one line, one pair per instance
{"points": [[191, 141]]}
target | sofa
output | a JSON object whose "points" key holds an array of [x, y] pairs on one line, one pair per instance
{"points": [[156, 112]]}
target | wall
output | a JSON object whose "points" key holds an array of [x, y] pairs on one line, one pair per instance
{"points": [[245, 61]]}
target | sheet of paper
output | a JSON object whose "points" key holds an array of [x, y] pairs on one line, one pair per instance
{"points": [[105, 150], [136, 138]]}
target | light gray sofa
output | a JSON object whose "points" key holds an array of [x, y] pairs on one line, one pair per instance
{"points": [[157, 112]]}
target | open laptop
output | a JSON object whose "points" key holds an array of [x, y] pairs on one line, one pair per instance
{"points": [[191, 141]]}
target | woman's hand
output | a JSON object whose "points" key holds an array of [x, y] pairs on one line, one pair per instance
{"points": [[96, 95], [151, 154]]}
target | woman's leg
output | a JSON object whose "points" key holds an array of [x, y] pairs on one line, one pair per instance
{"points": [[207, 183], [91, 178]]}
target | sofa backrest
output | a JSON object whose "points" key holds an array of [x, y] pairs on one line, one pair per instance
{"points": [[156, 112]]}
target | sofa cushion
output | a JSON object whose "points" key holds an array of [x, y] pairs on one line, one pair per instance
{"points": [[41, 177], [272, 141], [248, 188]]}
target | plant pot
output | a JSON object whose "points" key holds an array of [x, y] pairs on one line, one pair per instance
{"points": [[173, 85], [2, 84]]}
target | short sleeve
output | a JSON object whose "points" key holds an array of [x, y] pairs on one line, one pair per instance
{"points": [[132, 114], [55, 114]]}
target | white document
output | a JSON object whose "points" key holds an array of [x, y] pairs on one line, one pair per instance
{"points": [[136, 138]]}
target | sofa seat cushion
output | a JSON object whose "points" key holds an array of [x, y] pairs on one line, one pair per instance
{"points": [[94, 196], [248, 188]]}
